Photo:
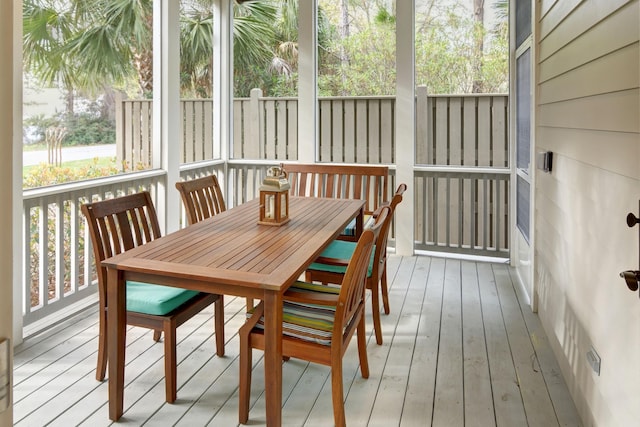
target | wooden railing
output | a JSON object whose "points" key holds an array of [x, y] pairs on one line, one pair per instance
{"points": [[58, 270], [58, 261], [462, 130], [462, 210], [461, 178]]}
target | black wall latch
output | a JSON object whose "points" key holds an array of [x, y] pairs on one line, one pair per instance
{"points": [[632, 277]]}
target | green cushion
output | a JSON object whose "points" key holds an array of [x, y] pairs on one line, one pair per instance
{"points": [[309, 322], [340, 249], [350, 230], [155, 299]]}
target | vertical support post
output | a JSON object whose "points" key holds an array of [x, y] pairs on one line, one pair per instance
{"points": [[10, 188], [307, 81], [223, 87], [405, 123], [166, 110]]}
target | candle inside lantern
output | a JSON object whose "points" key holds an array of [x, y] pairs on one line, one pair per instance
{"points": [[269, 202]]}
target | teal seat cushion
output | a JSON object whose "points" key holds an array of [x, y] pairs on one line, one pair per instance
{"points": [[350, 229], [340, 249], [308, 322], [155, 299]]}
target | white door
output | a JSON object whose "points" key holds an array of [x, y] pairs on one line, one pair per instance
{"points": [[522, 95]]}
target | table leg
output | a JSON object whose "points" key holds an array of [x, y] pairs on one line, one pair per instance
{"points": [[273, 356], [116, 335], [360, 224]]}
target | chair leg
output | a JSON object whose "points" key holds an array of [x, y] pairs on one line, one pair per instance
{"points": [[375, 311], [362, 349], [170, 369], [218, 314], [101, 368], [385, 290], [245, 379], [337, 393]]}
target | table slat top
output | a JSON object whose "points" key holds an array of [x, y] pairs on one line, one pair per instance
{"points": [[232, 248]]}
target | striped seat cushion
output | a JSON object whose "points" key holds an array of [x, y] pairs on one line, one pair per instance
{"points": [[350, 230], [340, 249], [309, 322], [155, 299]]}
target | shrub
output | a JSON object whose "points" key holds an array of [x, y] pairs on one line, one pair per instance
{"points": [[45, 174]]}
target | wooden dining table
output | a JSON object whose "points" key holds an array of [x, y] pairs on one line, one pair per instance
{"points": [[229, 254]]}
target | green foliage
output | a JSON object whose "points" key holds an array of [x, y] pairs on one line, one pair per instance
{"points": [[447, 60], [371, 69], [86, 129], [384, 17], [44, 175]]}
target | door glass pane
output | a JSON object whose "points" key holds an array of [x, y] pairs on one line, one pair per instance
{"points": [[523, 21], [523, 204], [523, 110]]}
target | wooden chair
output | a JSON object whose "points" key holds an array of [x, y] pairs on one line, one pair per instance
{"points": [[330, 267], [366, 182], [117, 225], [202, 198], [323, 338]]}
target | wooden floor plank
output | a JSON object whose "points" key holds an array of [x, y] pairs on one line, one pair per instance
{"points": [[561, 398], [393, 382], [199, 370], [448, 407], [457, 345], [56, 334], [478, 404], [535, 396], [509, 410], [419, 396]]}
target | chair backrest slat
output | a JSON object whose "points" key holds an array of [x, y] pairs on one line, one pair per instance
{"points": [[340, 181], [117, 225], [202, 198]]}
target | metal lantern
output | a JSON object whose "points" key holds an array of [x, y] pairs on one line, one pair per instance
{"points": [[274, 197]]}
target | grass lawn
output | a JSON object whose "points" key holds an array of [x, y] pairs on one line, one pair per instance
{"points": [[34, 147]]}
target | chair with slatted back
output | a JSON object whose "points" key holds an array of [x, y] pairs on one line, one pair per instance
{"points": [[117, 225], [366, 182], [202, 198], [318, 322], [331, 265]]}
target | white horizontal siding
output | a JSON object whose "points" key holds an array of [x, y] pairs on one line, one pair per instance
{"points": [[588, 114]]}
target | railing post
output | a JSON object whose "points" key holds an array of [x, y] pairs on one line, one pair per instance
{"points": [[253, 141], [422, 126], [119, 99]]}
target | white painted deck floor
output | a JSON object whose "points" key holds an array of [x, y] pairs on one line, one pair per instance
{"points": [[458, 351]]}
